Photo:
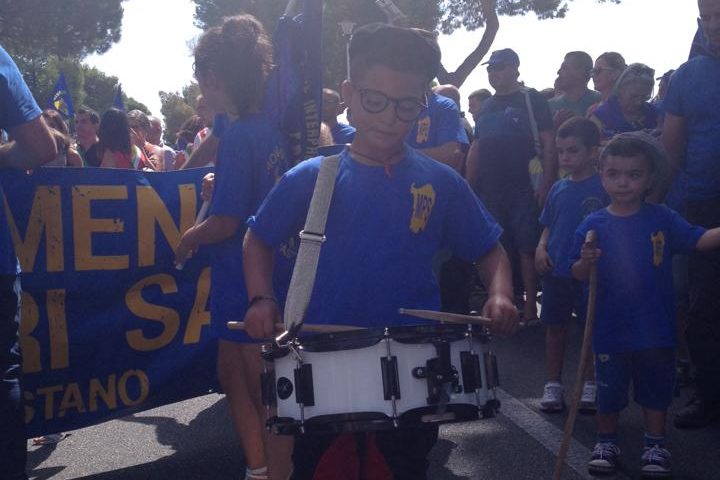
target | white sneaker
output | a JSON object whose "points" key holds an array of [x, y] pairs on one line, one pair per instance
{"points": [[552, 399], [589, 395]]}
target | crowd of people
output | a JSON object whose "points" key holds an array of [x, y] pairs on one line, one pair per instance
{"points": [[425, 202]]}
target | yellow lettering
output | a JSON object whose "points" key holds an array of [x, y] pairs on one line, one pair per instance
{"points": [[59, 344], [139, 307], [152, 210], [45, 216], [49, 394], [84, 225], [71, 399], [199, 316], [143, 383], [109, 395], [29, 345]]}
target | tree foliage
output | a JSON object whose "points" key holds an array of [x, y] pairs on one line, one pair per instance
{"points": [[176, 108], [34, 31], [443, 15]]}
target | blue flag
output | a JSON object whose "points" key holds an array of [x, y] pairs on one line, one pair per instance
{"points": [[294, 93], [60, 99], [118, 101]]}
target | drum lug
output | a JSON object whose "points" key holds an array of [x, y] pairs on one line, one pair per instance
{"points": [[304, 391], [491, 370], [267, 383]]}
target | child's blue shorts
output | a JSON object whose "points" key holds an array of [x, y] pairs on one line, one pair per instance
{"points": [[653, 377], [561, 296]]}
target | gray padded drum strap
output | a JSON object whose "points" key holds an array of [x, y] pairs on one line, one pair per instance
{"points": [[311, 239]]}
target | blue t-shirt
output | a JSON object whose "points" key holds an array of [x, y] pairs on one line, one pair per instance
{"points": [[567, 204], [17, 106], [342, 133], [635, 307], [614, 122], [506, 143], [251, 158], [438, 124], [382, 233], [694, 95], [221, 123]]}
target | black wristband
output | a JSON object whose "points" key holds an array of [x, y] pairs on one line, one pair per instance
{"points": [[259, 298]]}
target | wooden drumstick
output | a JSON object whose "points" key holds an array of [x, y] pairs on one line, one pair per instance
{"points": [[447, 317], [585, 352], [280, 327]]}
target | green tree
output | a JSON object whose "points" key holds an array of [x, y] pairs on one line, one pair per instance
{"points": [[176, 108], [35, 31], [442, 15]]}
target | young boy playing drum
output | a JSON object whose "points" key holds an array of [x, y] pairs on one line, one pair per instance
{"points": [[392, 209]]}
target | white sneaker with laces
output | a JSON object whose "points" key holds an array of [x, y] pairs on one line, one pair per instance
{"points": [[552, 399], [589, 395]]}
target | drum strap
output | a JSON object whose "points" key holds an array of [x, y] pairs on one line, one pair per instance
{"points": [[311, 239]]}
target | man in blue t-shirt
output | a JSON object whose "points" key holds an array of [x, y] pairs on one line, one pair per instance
{"points": [[691, 134], [392, 209], [31, 145], [439, 132], [499, 159], [333, 106]]}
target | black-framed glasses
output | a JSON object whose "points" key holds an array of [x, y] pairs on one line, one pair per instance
{"points": [[407, 109]]}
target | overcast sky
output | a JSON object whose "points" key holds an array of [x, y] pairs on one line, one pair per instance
{"points": [[154, 52]]}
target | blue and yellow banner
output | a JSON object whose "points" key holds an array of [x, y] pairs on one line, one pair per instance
{"points": [[61, 100], [109, 325]]}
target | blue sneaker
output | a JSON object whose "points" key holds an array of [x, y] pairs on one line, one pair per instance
{"points": [[655, 462], [604, 460]]}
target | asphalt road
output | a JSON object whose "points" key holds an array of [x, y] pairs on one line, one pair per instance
{"points": [[194, 439]]}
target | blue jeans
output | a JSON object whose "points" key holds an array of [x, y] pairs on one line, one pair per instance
{"points": [[13, 454]]}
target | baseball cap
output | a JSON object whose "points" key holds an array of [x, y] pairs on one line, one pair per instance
{"points": [[411, 49], [506, 56]]}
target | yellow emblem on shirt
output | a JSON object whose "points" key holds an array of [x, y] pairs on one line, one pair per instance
{"points": [[423, 130], [658, 241], [423, 202]]}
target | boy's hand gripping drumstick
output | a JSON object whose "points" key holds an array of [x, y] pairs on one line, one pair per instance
{"points": [[585, 351]]}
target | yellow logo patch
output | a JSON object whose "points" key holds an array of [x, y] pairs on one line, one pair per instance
{"points": [[658, 241], [423, 202], [423, 130]]}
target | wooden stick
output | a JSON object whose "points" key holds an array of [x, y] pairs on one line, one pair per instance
{"points": [[447, 317], [280, 327], [202, 213], [590, 240]]}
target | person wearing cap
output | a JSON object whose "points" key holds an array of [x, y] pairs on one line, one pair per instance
{"points": [[392, 209], [691, 135], [499, 159], [572, 80]]}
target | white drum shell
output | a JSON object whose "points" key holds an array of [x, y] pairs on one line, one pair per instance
{"points": [[350, 381]]}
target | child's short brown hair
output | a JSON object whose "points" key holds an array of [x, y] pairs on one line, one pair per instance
{"points": [[583, 129], [637, 144]]}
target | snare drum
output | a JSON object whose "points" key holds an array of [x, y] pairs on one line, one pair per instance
{"points": [[380, 379]]}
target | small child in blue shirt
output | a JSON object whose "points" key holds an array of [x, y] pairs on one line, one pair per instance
{"points": [[570, 200], [634, 336]]}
